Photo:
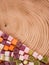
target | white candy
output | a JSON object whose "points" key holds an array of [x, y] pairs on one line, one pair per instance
{"points": [[26, 57], [12, 54], [26, 50], [31, 63], [10, 38], [6, 58], [1, 56], [40, 57], [21, 52], [35, 54], [1, 33], [1, 46], [7, 53], [20, 64], [8, 42], [21, 57]]}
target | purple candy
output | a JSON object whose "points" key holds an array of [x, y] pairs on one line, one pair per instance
{"points": [[12, 63], [2, 51], [4, 42], [16, 50], [6, 63], [16, 56], [19, 44], [5, 36], [42, 63], [22, 48]]}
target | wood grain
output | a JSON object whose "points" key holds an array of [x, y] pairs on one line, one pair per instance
{"points": [[28, 20]]}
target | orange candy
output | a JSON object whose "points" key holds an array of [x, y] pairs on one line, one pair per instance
{"points": [[11, 47], [0, 61], [1, 39], [6, 48], [14, 41]]}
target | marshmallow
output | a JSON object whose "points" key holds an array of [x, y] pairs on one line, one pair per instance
{"points": [[1, 33], [31, 63], [21, 57], [7, 53], [40, 57], [20, 64], [26, 50], [1, 46], [21, 52], [10, 38], [35, 54], [6, 58]]}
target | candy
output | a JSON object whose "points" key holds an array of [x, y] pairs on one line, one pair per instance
{"points": [[8, 42], [26, 50], [1, 39], [30, 52], [4, 42], [16, 50], [45, 59], [21, 64], [11, 47], [25, 62], [31, 59], [5, 36], [6, 63], [14, 41], [42, 63], [2, 51], [19, 44], [2, 63], [47, 64], [11, 59], [1, 56], [1, 33], [21, 57], [6, 48], [1, 46], [17, 62], [6, 58], [16, 56], [36, 62], [22, 48], [12, 63], [35, 54], [12, 54], [7, 53], [31, 63], [21, 52], [10, 38], [40, 57], [26, 57]]}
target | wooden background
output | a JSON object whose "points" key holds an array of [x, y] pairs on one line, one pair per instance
{"points": [[28, 20]]}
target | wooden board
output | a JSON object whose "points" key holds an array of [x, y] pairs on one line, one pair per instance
{"points": [[28, 20]]}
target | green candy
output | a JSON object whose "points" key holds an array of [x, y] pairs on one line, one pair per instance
{"points": [[30, 52], [31, 58], [37, 62], [17, 62], [45, 59], [11, 59]]}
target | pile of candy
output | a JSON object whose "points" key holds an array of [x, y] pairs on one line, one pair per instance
{"points": [[13, 52]]}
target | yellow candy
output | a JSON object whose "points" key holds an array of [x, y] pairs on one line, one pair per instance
{"points": [[30, 52], [25, 62]]}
